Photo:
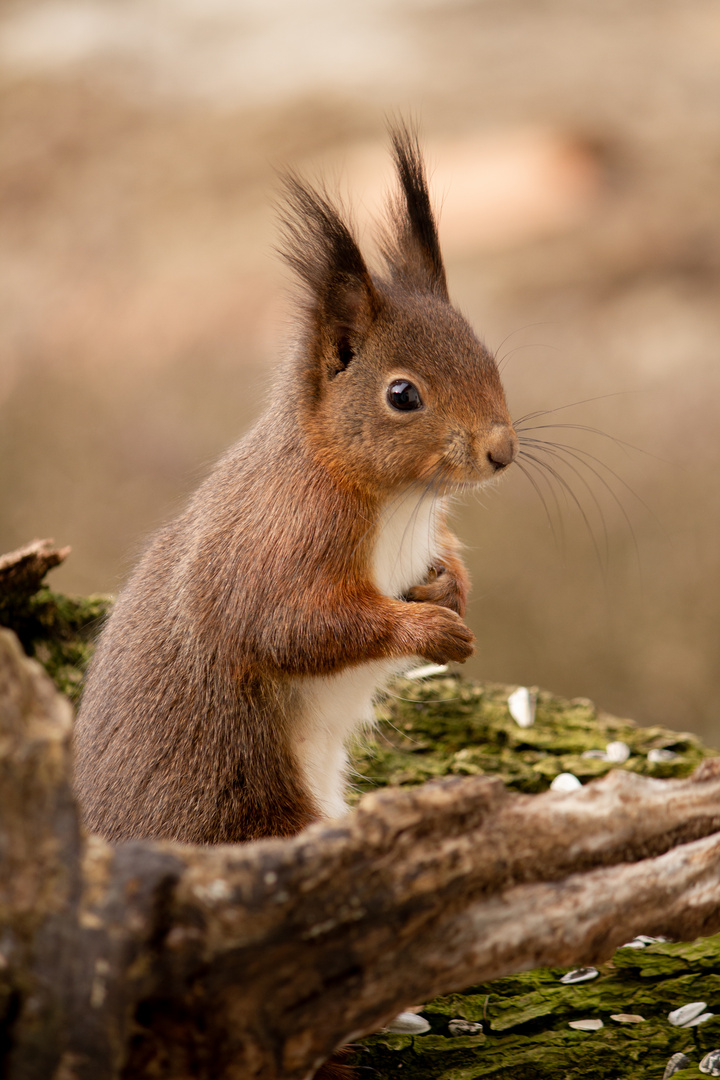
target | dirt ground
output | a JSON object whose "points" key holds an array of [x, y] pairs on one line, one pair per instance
{"points": [[575, 150]]}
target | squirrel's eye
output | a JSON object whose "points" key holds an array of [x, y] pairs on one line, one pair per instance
{"points": [[403, 395]]}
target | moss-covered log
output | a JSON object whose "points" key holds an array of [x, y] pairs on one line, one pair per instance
{"points": [[160, 960], [56, 629], [152, 959]]}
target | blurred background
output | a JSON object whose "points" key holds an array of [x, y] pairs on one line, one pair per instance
{"points": [[575, 153]]}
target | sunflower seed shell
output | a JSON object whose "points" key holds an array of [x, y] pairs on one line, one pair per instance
{"points": [[578, 975], [464, 1027], [675, 1064], [586, 1025], [617, 752], [565, 781], [710, 1064], [408, 1023], [682, 1017], [702, 1019], [521, 704]]}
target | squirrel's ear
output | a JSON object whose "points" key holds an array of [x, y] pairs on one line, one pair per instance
{"points": [[410, 245], [320, 247]]}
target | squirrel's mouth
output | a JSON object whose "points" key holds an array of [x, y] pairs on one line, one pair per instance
{"points": [[471, 474], [459, 487], [474, 458]]}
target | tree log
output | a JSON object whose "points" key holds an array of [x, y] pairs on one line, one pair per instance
{"points": [[56, 629], [154, 959], [22, 571]]}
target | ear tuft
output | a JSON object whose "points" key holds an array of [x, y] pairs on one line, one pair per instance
{"points": [[321, 249], [410, 245]]}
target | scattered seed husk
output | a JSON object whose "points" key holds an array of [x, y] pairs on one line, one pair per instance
{"points": [[578, 975], [521, 704], [702, 1019], [686, 1013], [710, 1064], [675, 1064], [617, 752], [464, 1027], [627, 1018], [586, 1025], [655, 756], [408, 1023], [565, 781]]}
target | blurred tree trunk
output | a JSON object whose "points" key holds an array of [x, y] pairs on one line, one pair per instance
{"points": [[168, 961]]}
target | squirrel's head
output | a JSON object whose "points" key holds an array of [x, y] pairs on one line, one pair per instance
{"points": [[395, 387]]}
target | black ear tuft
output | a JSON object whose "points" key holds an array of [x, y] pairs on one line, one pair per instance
{"points": [[322, 250], [410, 245]]}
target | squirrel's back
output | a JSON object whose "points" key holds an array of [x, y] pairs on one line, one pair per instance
{"points": [[177, 735]]}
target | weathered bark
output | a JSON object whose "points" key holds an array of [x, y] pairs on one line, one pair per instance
{"points": [[22, 571], [55, 629], [165, 960]]}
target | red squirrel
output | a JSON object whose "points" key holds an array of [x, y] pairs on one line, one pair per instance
{"points": [[315, 561]]}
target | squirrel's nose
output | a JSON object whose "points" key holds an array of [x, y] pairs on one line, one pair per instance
{"points": [[502, 446]]}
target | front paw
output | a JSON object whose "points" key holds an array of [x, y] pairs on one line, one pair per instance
{"points": [[441, 588], [446, 635]]}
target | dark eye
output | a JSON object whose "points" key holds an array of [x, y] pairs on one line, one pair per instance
{"points": [[403, 395]]}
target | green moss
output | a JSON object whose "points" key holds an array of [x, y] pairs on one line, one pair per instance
{"points": [[447, 726], [526, 1024], [58, 631]]}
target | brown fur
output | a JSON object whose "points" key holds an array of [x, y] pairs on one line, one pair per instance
{"points": [[266, 580], [337, 1067]]}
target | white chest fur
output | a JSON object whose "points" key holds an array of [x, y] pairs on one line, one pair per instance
{"points": [[406, 543], [335, 706]]}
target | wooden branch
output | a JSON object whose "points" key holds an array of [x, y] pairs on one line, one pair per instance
{"points": [[255, 960], [21, 571]]}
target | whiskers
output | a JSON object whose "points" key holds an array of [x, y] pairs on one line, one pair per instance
{"points": [[564, 474]]}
